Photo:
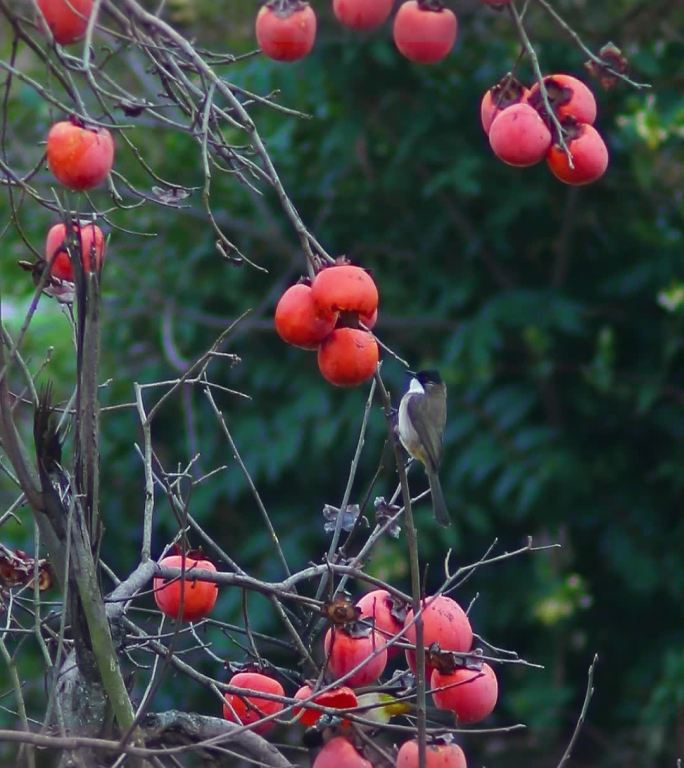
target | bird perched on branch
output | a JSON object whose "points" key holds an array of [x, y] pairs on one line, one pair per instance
{"points": [[420, 425]]}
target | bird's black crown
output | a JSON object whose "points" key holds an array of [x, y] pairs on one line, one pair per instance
{"points": [[429, 377]]}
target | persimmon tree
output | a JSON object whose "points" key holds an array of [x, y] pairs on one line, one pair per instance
{"points": [[121, 70]]}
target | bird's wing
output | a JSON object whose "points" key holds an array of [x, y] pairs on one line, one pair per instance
{"points": [[422, 411]]}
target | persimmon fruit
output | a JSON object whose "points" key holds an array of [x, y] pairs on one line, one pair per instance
{"points": [[92, 247], [336, 698], [340, 753], [348, 646], [348, 357], [286, 29], [67, 19], [469, 693], [199, 597], [345, 288], [589, 155], [436, 756], [424, 30], [568, 97], [362, 14], [507, 92], [250, 708], [79, 157], [445, 623], [380, 606], [519, 136], [298, 320]]}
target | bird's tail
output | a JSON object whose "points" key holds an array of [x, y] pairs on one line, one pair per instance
{"points": [[439, 506]]}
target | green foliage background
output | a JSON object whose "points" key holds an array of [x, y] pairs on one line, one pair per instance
{"points": [[554, 314]]}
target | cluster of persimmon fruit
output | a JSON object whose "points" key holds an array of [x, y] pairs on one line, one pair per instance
{"points": [[515, 118], [333, 314], [424, 31], [357, 647], [520, 128], [80, 158]]}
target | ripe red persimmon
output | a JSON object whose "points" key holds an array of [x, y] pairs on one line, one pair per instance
{"points": [[362, 14], [348, 357], [444, 622], [248, 709], [298, 320], [348, 646], [470, 694], [67, 19], [92, 244], [424, 33], [507, 92], [79, 157], [589, 155], [385, 610], [199, 597], [519, 136], [336, 698], [286, 31], [436, 756], [568, 97], [340, 753], [345, 288]]}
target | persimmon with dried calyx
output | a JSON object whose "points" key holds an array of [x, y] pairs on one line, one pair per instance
{"points": [[507, 92], [470, 693], [298, 320], [66, 19], [340, 753], [348, 357], [79, 157], [424, 30], [436, 756], [247, 708], [588, 151], [362, 14], [388, 613], [350, 645], [444, 623], [345, 288], [336, 698], [92, 249], [568, 97], [519, 136], [198, 597], [286, 29]]}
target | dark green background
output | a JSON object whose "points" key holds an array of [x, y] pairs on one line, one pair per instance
{"points": [[554, 314]]}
